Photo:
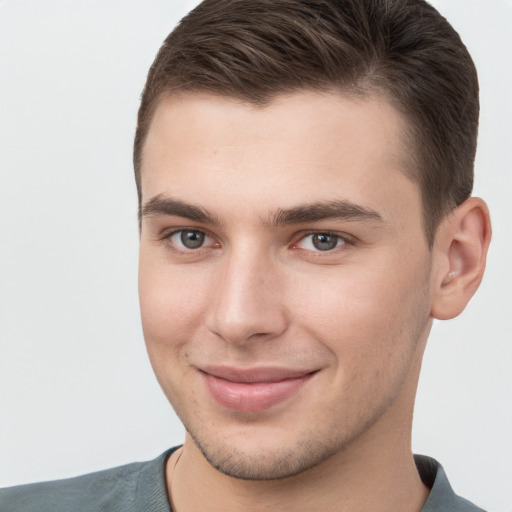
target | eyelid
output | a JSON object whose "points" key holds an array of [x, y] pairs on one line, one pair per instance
{"points": [[166, 235], [166, 238], [344, 237]]}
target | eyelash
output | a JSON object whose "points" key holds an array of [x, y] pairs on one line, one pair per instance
{"points": [[342, 240], [167, 239]]}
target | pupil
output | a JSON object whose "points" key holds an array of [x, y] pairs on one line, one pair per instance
{"points": [[324, 242], [192, 239]]}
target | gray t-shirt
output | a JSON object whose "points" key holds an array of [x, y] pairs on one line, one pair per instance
{"points": [[140, 487]]}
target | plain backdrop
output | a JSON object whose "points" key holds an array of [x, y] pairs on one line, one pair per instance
{"points": [[77, 393]]}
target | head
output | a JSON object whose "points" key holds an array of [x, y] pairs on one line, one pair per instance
{"points": [[402, 50], [303, 172]]}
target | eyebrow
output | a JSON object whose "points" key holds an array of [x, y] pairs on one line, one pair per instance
{"points": [[314, 212], [159, 205]]}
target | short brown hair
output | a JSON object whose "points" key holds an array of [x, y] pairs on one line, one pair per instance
{"points": [[254, 50]]}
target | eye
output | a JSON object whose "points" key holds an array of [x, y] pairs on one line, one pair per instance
{"points": [[321, 242], [189, 239]]}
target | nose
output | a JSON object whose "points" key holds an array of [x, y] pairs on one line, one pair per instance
{"points": [[248, 299]]}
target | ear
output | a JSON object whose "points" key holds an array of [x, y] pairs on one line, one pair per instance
{"points": [[460, 252]]}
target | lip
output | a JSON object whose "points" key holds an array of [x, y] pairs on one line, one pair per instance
{"points": [[253, 389]]}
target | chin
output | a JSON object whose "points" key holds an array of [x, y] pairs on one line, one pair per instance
{"points": [[264, 461]]}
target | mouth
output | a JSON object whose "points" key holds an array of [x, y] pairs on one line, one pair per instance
{"points": [[254, 389]]}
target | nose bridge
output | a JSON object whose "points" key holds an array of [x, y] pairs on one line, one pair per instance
{"points": [[247, 301]]}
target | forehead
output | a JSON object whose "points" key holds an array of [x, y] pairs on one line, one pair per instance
{"points": [[300, 148]]}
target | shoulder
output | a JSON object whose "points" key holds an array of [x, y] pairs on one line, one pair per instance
{"points": [[442, 498], [112, 490]]}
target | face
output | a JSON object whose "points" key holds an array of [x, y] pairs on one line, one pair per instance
{"points": [[284, 276]]}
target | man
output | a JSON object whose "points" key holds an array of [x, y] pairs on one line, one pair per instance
{"points": [[304, 172]]}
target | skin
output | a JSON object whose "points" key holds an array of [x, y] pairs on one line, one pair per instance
{"points": [[259, 293]]}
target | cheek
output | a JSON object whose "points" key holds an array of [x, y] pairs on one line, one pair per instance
{"points": [[368, 318], [171, 304], [171, 312]]}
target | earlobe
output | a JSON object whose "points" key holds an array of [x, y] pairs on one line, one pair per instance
{"points": [[460, 250]]}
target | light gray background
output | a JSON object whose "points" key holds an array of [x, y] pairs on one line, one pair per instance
{"points": [[76, 390]]}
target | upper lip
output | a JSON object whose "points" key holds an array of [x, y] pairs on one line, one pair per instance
{"points": [[255, 374]]}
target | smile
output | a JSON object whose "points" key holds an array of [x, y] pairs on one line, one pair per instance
{"points": [[253, 390]]}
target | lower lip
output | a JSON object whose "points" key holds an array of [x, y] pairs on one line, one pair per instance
{"points": [[252, 397]]}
